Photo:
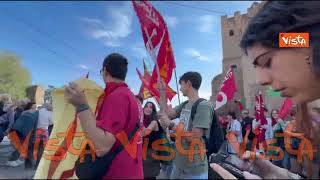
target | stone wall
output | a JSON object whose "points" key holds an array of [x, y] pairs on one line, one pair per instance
{"points": [[232, 30], [36, 94]]}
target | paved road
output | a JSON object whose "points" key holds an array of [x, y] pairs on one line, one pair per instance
{"points": [[7, 172]]}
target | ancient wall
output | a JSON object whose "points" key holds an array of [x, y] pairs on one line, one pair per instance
{"points": [[231, 30], [36, 94]]}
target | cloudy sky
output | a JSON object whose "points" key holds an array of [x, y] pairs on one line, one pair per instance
{"points": [[62, 41]]}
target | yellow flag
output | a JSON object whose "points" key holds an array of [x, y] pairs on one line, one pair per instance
{"points": [[63, 117]]}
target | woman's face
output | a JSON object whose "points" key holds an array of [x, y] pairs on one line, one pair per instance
{"points": [[287, 71], [229, 118], [147, 110], [275, 114]]}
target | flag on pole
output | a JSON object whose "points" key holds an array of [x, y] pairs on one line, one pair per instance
{"points": [[227, 90], [260, 117], [285, 108], [144, 90], [157, 42], [147, 91]]}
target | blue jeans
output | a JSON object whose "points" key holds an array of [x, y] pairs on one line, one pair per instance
{"points": [[181, 174]]}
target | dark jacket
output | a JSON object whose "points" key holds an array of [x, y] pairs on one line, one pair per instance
{"points": [[247, 122]]}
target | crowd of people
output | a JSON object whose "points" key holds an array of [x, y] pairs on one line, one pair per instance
{"points": [[17, 119]]}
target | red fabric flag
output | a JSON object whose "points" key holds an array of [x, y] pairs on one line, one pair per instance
{"points": [[144, 89], [157, 42], [285, 108], [147, 89], [227, 90], [259, 113], [165, 62]]}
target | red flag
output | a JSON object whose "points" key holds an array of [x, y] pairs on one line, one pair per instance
{"points": [[259, 111], [144, 90], [285, 108], [165, 62], [157, 42], [149, 91], [227, 90]]}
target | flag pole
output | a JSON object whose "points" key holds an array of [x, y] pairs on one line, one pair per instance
{"points": [[175, 74]]}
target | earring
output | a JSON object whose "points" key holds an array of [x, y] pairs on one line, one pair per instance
{"points": [[308, 59]]}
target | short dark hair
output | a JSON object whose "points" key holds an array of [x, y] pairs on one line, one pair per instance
{"points": [[116, 65], [194, 78], [284, 16], [29, 105], [232, 114]]}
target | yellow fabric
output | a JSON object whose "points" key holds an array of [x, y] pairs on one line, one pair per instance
{"points": [[63, 115]]}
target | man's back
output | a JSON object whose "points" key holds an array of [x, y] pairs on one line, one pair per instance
{"points": [[119, 113]]}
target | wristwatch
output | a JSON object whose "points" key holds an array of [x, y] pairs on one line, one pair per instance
{"points": [[82, 107]]}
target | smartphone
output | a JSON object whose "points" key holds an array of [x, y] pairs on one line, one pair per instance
{"points": [[221, 159]]}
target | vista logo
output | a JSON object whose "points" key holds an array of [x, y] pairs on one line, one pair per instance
{"points": [[294, 40]]}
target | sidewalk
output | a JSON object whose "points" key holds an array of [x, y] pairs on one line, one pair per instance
{"points": [[7, 172]]}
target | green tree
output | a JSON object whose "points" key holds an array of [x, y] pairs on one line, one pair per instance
{"points": [[14, 78]]}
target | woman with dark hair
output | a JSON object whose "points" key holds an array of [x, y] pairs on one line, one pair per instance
{"points": [[294, 72], [151, 166]]}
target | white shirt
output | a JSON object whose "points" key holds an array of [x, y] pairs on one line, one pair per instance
{"points": [[44, 119], [269, 130], [234, 125]]}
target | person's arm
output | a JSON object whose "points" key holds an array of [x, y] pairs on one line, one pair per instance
{"points": [[153, 126], [172, 114], [101, 139]]}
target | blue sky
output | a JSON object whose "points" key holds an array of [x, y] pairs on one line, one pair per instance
{"points": [[61, 41]]}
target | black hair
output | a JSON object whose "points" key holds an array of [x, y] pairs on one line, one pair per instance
{"points": [[232, 114], [116, 65], [284, 16], [154, 110], [29, 105], [194, 78]]}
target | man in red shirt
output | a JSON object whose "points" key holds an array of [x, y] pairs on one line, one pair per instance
{"points": [[119, 112]]}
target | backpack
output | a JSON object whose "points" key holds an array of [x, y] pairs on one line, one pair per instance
{"points": [[216, 137]]}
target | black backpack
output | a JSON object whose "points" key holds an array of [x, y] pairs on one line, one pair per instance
{"points": [[216, 137]]}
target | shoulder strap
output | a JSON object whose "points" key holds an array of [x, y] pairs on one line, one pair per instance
{"points": [[184, 104], [132, 133], [194, 107]]}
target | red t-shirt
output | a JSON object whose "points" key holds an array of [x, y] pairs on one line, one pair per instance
{"points": [[119, 112]]}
